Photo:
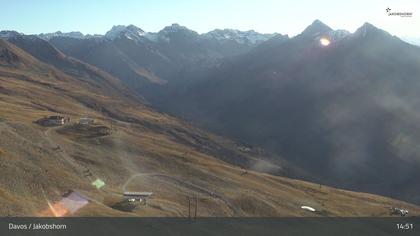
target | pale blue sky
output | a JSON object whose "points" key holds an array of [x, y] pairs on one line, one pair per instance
{"points": [[266, 16]]}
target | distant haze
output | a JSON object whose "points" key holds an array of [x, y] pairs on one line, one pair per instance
{"points": [[265, 16]]}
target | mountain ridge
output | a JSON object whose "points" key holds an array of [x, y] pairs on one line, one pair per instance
{"points": [[336, 110], [131, 147], [319, 105], [153, 36]]}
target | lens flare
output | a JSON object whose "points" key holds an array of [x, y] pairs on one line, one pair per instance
{"points": [[58, 210], [324, 42], [98, 183], [69, 204]]}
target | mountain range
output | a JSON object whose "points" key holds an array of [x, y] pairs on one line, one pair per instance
{"points": [[345, 112], [342, 114]]}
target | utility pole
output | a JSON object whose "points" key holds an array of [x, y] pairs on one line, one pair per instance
{"points": [[196, 206], [189, 208]]}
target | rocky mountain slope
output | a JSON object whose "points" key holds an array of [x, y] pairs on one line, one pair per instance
{"points": [[345, 111], [146, 60], [131, 147]]}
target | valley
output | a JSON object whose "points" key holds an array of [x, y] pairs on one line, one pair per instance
{"points": [[269, 154]]}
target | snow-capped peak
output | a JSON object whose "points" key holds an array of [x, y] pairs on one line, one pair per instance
{"points": [[131, 32]]}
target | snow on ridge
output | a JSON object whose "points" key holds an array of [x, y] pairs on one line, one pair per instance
{"points": [[242, 37], [134, 33], [7, 34], [131, 32], [151, 36], [48, 36], [337, 35]]}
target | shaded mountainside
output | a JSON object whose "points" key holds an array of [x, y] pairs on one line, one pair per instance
{"points": [[131, 147], [347, 113], [146, 61], [45, 52]]}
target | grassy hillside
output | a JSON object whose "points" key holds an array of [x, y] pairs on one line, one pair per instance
{"points": [[131, 147]]}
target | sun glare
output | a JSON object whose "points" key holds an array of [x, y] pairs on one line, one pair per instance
{"points": [[324, 42]]}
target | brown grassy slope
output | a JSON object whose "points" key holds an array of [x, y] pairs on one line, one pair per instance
{"points": [[141, 150]]}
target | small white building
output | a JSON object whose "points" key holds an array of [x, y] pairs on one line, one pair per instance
{"points": [[137, 196], [86, 121]]}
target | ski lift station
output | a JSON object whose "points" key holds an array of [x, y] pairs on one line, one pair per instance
{"points": [[137, 196]]}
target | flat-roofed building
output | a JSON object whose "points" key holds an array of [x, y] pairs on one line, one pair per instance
{"points": [[54, 120], [137, 196]]}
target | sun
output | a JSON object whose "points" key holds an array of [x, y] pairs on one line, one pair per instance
{"points": [[325, 42]]}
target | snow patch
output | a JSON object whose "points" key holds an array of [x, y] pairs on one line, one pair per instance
{"points": [[131, 32], [241, 37]]}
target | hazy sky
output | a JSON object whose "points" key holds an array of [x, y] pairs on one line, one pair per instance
{"points": [[266, 16]]}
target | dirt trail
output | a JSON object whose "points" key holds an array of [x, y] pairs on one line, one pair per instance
{"points": [[62, 152], [186, 184], [79, 169]]}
